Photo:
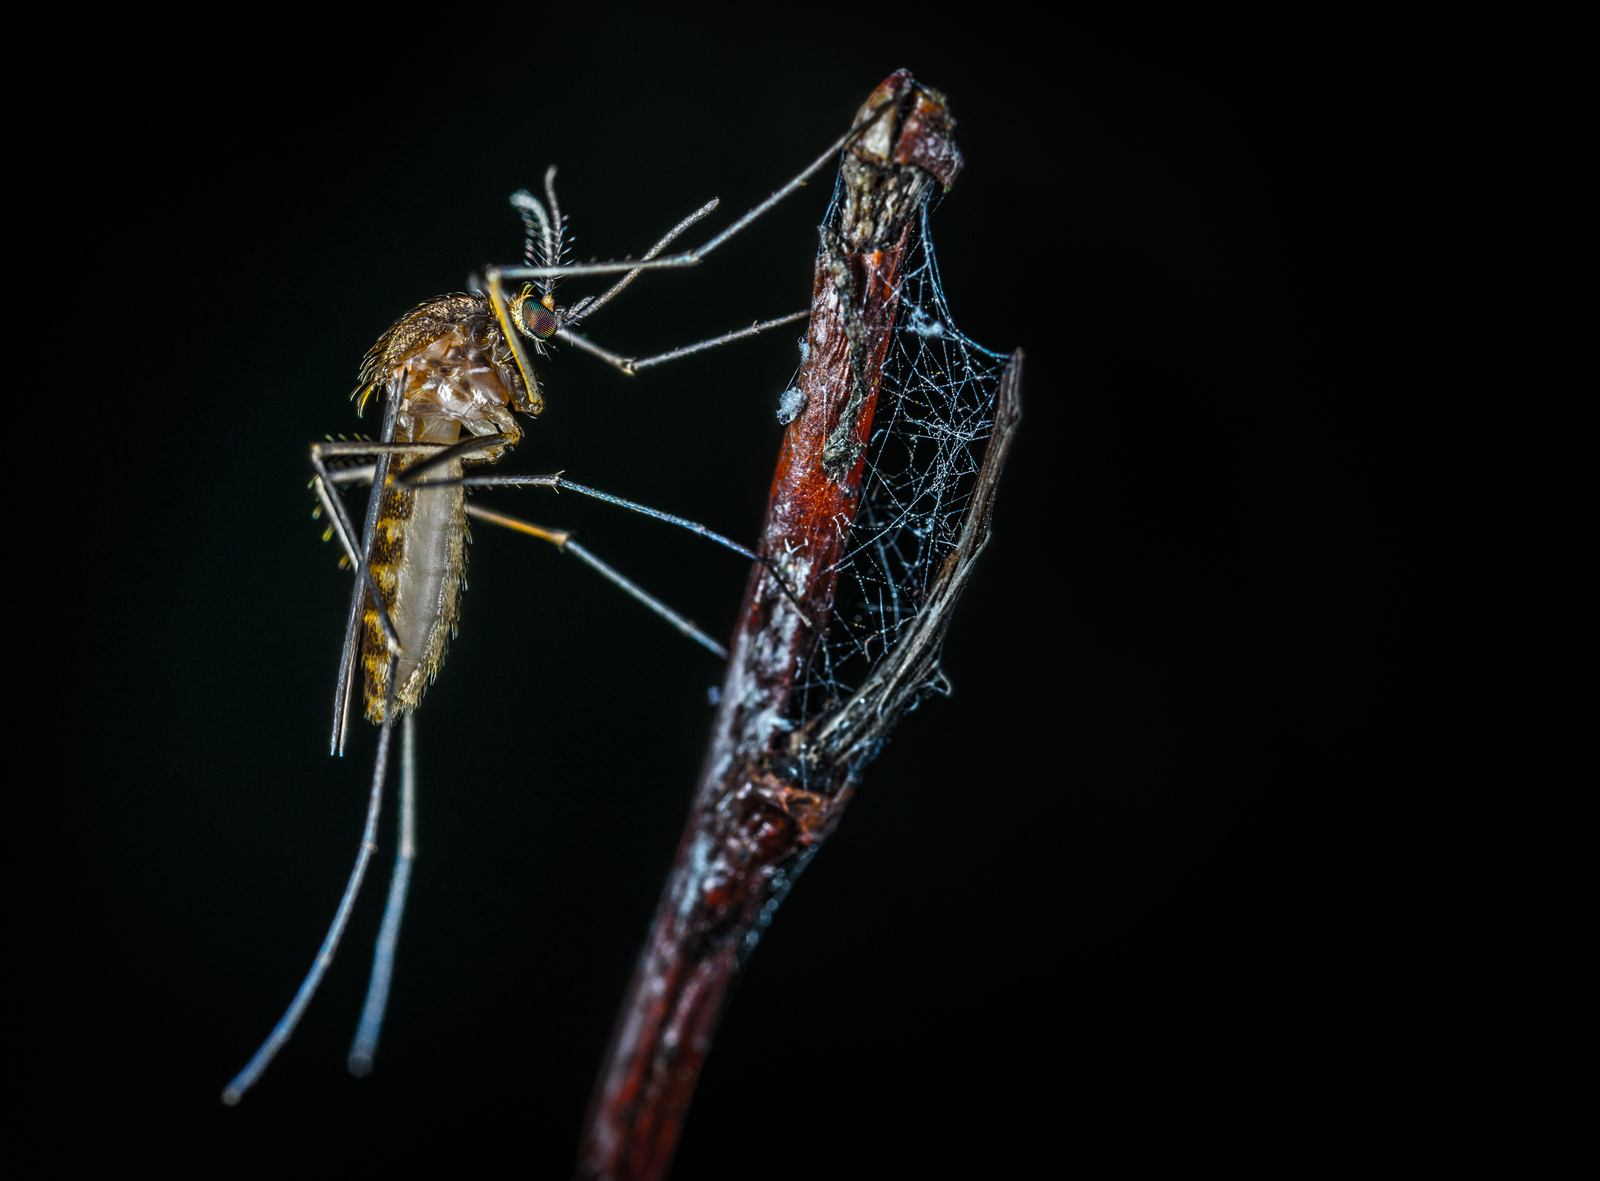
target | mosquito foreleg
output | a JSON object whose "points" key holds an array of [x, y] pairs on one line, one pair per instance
{"points": [[563, 541], [590, 306], [365, 1046], [280, 1034], [692, 257], [343, 688], [583, 342], [631, 365]]}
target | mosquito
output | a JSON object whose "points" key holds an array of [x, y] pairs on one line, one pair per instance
{"points": [[453, 371]]}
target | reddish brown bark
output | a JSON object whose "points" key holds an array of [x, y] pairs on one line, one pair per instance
{"points": [[758, 815]]}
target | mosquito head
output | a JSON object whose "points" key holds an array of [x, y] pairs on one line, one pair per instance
{"points": [[534, 317]]}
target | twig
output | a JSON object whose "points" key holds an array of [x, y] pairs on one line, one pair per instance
{"points": [[771, 791]]}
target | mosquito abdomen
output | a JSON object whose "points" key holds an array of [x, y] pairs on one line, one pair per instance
{"points": [[419, 555]]}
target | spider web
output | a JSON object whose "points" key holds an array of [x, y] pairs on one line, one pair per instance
{"points": [[935, 410]]}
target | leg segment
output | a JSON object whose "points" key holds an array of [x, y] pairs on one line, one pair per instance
{"points": [[563, 541], [632, 365], [352, 630], [365, 1046], [692, 257], [588, 306], [556, 481], [330, 943]]}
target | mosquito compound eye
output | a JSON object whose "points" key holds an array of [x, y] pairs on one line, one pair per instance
{"points": [[538, 320]]}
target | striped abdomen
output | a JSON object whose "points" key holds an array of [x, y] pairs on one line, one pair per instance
{"points": [[418, 558], [455, 378]]}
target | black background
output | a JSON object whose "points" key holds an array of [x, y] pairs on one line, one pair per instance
{"points": [[1080, 907]]}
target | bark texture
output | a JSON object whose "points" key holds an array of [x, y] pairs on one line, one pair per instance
{"points": [[773, 786]]}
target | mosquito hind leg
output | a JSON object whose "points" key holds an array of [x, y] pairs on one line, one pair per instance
{"points": [[558, 482], [365, 1046], [281, 1032], [343, 689], [563, 542], [545, 236]]}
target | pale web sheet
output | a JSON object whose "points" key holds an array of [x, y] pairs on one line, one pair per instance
{"points": [[934, 414]]}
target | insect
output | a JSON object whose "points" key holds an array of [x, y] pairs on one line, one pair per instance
{"points": [[454, 373]]}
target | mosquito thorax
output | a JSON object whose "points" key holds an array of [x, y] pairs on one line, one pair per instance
{"points": [[533, 317]]}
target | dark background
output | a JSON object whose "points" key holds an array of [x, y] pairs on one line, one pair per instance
{"points": [[1088, 904]]}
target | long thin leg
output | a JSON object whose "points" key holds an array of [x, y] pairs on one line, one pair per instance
{"points": [[681, 522], [692, 527], [352, 633], [345, 530], [365, 474], [365, 1046], [563, 541], [632, 365], [280, 1034], [692, 257], [588, 307], [411, 480], [412, 477]]}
